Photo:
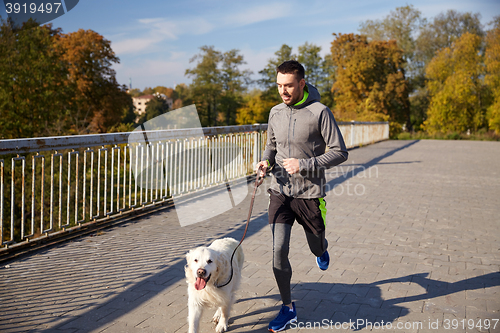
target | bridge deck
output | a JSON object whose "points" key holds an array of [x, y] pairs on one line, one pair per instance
{"points": [[414, 237]]}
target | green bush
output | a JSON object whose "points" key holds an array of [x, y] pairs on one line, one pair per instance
{"points": [[394, 129], [453, 136], [405, 136]]}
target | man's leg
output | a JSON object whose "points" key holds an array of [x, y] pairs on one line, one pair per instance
{"points": [[281, 265], [283, 274], [281, 219], [311, 214], [317, 243]]}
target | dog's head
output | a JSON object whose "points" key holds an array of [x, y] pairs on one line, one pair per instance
{"points": [[202, 265]]}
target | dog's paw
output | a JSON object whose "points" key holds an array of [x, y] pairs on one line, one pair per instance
{"points": [[221, 327], [216, 316]]}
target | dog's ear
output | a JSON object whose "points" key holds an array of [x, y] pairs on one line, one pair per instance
{"points": [[187, 270]]}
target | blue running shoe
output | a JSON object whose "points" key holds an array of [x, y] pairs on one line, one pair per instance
{"points": [[285, 317], [323, 261]]}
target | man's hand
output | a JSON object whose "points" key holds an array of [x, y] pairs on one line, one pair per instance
{"points": [[264, 166], [291, 165]]}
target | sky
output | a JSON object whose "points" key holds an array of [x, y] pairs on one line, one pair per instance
{"points": [[155, 40]]}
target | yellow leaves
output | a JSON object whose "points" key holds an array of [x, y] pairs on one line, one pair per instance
{"points": [[492, 59], [492, 56], [492, 78], [455, 87], [87, 54], [53, 83], [494, 116], [370, 81], [255, 110]]}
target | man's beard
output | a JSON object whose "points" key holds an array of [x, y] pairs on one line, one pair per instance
{"points": [[291, 101]]}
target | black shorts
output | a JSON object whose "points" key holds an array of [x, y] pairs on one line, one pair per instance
{"points": [[310, 213]]}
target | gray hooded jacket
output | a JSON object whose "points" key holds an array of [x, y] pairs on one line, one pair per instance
{"points": [[303, 132]]}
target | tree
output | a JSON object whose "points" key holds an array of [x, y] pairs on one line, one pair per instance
{"points": [[310, 58], [32, 89], [206, 85], [420, 41], [234, 83], [255, 109], [127, 121], [326, 81], [456, 87], [98, 100], [370, 80], [57, 84], [158, 89], [419, 103], [182, 96], [135, 92], [169, 92], [492, 78], [444, 30], [402, 25], [217, 84]]}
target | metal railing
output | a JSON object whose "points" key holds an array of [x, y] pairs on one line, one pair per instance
{"points": [[59, 184], [358, 133], [76, 180]]}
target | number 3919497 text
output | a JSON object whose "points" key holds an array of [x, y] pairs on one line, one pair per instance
{"points": [[24, 8]]}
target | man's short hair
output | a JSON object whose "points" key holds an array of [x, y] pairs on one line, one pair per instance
{"points": [[292, 67]]}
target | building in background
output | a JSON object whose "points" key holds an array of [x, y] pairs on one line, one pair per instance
{"points": [[141, 101]]}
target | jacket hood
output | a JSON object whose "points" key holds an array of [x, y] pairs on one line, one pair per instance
{"points": [[314, 96]]}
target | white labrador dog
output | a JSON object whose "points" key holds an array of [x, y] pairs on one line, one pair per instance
{"points": [[207, 268]]}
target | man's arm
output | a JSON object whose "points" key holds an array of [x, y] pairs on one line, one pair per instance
{"points": [[269, 156], [337, 152], [270, 151]]}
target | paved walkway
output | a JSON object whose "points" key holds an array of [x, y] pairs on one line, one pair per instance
{"points": [[414, 240]]}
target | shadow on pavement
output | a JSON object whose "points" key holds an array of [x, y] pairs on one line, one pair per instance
{"points": [[337, 299], [346, 174]]}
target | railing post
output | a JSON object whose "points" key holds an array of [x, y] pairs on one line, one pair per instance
{"points": [[352, 133], [256, 151]]}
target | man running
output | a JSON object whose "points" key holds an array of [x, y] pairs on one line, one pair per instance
{"points": [[299, 130]]}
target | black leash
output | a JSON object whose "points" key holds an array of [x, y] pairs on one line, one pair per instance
{"points": [[257, 184]]}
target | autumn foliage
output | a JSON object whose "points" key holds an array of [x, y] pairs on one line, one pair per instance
{"points": [[96, 98], [370, 83], [492, 78], [53, 83], [441, 76], [456, 88]]}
